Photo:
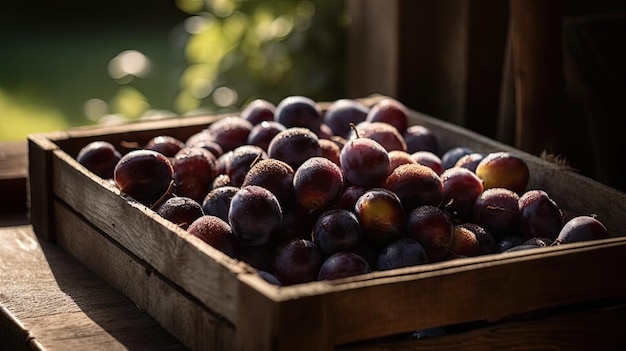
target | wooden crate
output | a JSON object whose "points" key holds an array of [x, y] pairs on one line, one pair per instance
{"points": [[210, 301]]}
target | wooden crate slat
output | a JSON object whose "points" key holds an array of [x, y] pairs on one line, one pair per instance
{"points": [[462, 292], [578, 330], [183, 316], [203, 271]]}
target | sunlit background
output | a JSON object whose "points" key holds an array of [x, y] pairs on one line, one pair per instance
{"points": [[64, 64]]}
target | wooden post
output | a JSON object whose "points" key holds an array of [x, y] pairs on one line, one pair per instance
{"points": [[536, 57]]}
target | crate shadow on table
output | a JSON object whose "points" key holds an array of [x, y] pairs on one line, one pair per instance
{"points": [[111, 311]]}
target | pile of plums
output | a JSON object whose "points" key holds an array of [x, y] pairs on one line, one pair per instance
{"points": [[306, 194]]}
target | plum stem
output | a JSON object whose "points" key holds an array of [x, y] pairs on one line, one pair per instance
{"points": [[354, 129], [164, 197]]}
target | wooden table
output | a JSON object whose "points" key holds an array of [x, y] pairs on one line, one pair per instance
{"points": [[50, 301]]}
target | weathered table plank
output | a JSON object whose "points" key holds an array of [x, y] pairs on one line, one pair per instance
{"points": [[50, 301]]}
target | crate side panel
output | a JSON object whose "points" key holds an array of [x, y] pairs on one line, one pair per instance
{"points": [[180, 314], [488, 290], [201, 270], [582, 329], [39, 185]]}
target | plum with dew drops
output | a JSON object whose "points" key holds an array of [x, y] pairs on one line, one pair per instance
{"points": [[504, 170], [217, 201], [540, 216], [381, 216], [497, 210], [215, 232], [317, 183], [432, 228], [258, 111], [180, 210], [273, 175], [364, 162], [296, 261], [416, 185], [300, 112], [255, 215], [294, 146], [336, 230]]}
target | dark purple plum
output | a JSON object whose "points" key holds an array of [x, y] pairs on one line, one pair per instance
{"points": [[241, 160], [416, 185], [299, 111], [390, 111], [581, 228], [336, 230], [294, 146], [230, 132], [255, 215], [180, 210], [165, 144], [385, 134], [364, 162], [258, 111], [144, 175], [349, 196], [100, 157], [431, 227], [215, 232], [508, 241], [194, 171], [540, 216], [420, 138], [497, 210], [451, 156], [262, 134], [381, 216], [217, 201], [461, 188], [269, 277], [429, 159], [343, 112], [470, 161], [275, 176], [343, 264], [404, 252], [331, 150], [317, 183], [296, 261]]}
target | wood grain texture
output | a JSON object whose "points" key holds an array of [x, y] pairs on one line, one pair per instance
{"points": [[173, 308], [13, 172], [489, 288], [586, 329], [204, 272], [50, 301]]}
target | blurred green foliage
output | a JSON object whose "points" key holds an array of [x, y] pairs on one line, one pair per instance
{"points": [[224, 54], [267, 49]]}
